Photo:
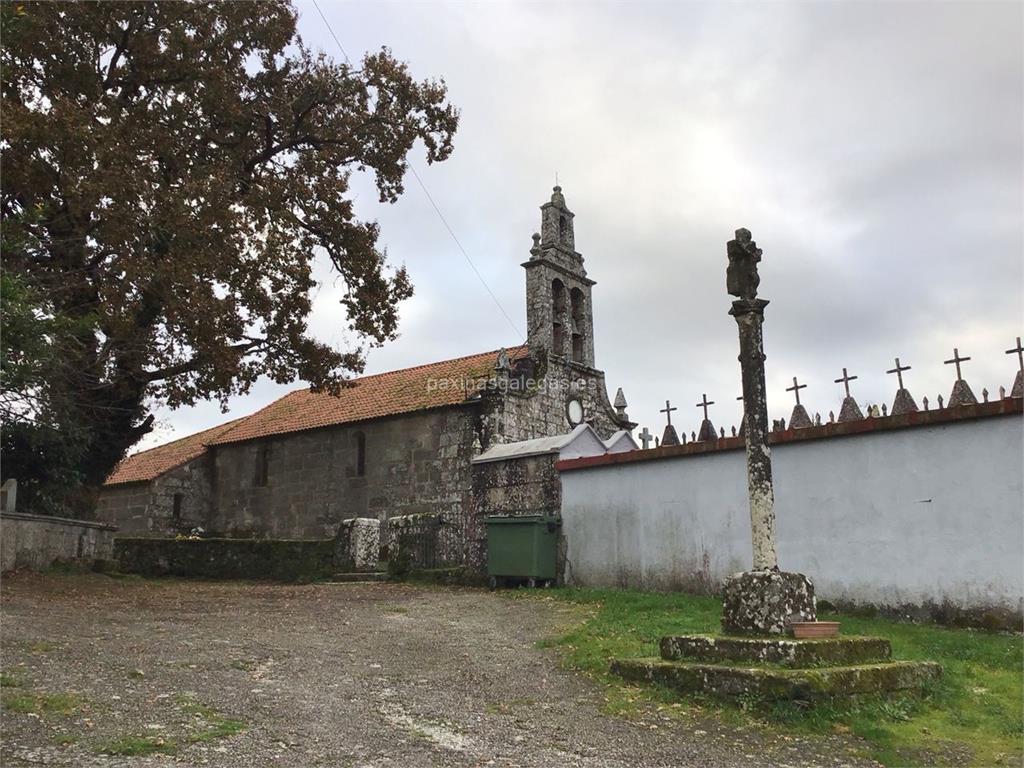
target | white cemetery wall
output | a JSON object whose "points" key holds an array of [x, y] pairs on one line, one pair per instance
{"points": [[904, 517]]}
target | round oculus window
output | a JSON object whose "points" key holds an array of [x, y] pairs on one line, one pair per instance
{"points": [[574, 410]]}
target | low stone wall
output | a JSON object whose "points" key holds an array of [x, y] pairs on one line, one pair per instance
{"points": [[357, 545], [36, 542], [265, 559], [413, 542]]}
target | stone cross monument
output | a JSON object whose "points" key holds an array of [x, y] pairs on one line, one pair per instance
{"points": [[763, 600]]}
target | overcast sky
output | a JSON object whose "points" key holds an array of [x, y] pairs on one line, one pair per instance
{"points": [[874, 151]]}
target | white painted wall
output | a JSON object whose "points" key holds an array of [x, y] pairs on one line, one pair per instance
{"points": [[906, 516]]}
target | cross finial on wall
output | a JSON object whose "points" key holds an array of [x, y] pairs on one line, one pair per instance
{"points": [[645, 438], [1020, 353], [846, 379], [898, 370], [957, 360], [667, 410], [704, 403], [795, 389]]}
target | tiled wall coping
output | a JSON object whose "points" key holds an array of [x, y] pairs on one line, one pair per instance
{"points": [[871, 425]]}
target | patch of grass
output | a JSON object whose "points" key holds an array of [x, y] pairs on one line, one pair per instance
{"points": [[244, 665], [138, 746], [136, 674], [218, 728], [41, 646], [64, 739], [210, 724], [18, 701], [974, 711], [9, 681], [29, 702]]}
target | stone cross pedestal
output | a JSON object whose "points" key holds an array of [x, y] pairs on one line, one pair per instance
{"points": [[669, 436], [961, 394], [849, 411], [904, 401], [761, 601], [707, 429]]}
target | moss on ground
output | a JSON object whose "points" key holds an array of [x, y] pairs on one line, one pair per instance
{"points": [[208, 724], [36, 703], [137, 746], [975, 709]]}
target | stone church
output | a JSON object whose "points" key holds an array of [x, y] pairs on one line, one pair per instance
{"points": [[395, 443]]}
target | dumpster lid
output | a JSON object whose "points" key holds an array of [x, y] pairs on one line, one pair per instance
{"points": [[520, 519]]}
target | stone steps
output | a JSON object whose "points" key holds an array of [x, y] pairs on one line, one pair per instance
{"points": [[360, 577], [813, 669], [787, 651], [773, 682]]}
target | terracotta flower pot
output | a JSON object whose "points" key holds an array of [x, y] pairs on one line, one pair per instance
{"points": [[806, 629]]}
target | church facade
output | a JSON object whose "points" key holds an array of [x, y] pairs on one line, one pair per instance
{"points": [[395, 443]]}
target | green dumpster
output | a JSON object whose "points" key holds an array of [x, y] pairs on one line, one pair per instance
{"points": [[522, 547]]}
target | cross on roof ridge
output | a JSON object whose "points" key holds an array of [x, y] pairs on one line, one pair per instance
{"points": [[899, 371], [957, 360], [667, 410], [1020, 353], [704, 404], [795, 389], [846, 379]]}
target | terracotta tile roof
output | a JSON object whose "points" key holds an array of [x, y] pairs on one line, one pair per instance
{"points": [[147, 465], [368, 397]]}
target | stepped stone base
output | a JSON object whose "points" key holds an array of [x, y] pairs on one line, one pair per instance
{"points": [[777, 682], [787, 652]]}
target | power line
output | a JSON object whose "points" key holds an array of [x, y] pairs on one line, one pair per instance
{"points": [[437, 210], [451, 232], [328, 25]]}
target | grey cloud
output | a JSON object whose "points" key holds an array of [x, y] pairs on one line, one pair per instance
{"points": [[874, 150]]}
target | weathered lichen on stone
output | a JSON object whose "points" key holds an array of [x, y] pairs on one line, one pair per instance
{"points": [[786, 651], [775, 683], [741, 277], [765, 602], [357, 544]]}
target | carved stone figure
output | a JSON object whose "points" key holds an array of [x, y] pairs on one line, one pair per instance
{"points": [[741, 276]]}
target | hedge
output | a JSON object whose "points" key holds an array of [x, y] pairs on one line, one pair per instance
{"points": [[270, 559]]}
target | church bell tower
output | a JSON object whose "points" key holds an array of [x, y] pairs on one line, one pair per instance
{"points": [[558, 311]]}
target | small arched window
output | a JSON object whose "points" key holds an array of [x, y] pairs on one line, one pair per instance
{"points": [[561, 229], [262, 466], [557, 311], [576, 300], [558, 296], [360, 454]]}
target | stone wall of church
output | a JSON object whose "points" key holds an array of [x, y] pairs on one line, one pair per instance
{"points": [[415, 463], [527, 485], [150, 509], [542, 412]]}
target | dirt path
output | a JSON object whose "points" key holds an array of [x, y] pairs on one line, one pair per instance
{"points": [[326, 675]]}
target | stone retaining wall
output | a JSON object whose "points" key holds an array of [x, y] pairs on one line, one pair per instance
{"points": [[267, 559], [36, 542]]}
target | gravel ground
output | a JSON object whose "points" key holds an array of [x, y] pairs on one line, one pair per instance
{"points": [[331, 675]]}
